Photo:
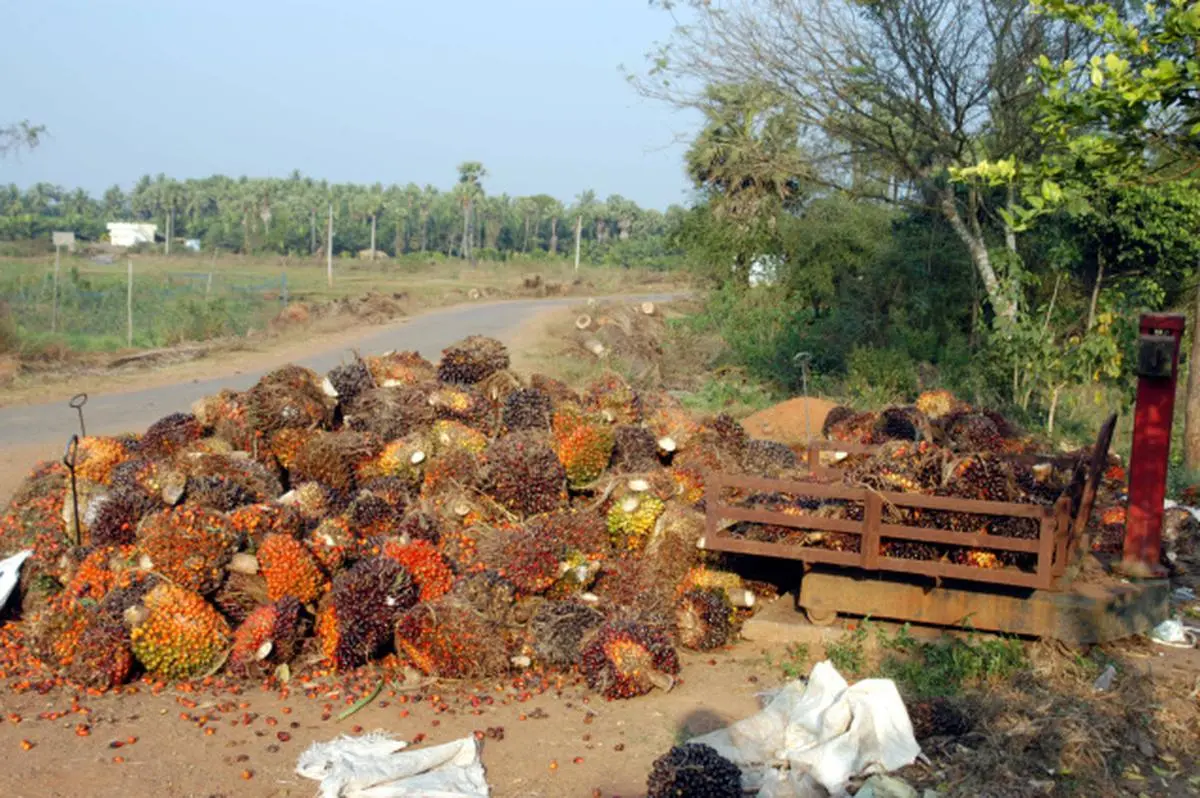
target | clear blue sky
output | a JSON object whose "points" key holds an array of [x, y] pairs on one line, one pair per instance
{"points": [[362, 91]]}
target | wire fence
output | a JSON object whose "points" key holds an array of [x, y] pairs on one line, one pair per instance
{"points": [[101, 310]]}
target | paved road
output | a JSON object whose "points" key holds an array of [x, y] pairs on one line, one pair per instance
{"points": [[114, 413]]}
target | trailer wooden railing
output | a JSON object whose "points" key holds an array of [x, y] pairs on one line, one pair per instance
{"points": [[1061, 527]]}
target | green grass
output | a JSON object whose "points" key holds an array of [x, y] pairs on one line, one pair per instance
{"points": [[794, 662], [176, 300], [849, 655], [945, 666]]}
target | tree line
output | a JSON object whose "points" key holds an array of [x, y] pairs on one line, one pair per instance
{"points": [[290, 215]]}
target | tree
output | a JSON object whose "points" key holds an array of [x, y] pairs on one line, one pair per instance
{"points": [[909, 88], [1129, 115], [21, 135], [470, 188]]}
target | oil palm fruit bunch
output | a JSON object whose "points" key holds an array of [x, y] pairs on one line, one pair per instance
{"points": [[632, 519], [404, 458], [370, 515], [451, 436], [449, 640], [177, 634], [938, 403], [472, 360], [290, 396], [228, 416], [612, 397], [113, 519], [558, 629], [333, 459], [189, 545], [390, 412], [102, 658], [526, 476], [900, 424], [289, 569], [767, 458], [332, 542], [97, 456], [357, 618], [400, 368], [704, 619], [635, 449], [169, 435], [624, 659], [253, 522], [937, 717], [350, 379], [559, 392], [527, 409], [270, 635], [429, 569], [572, 532], [529, 561], [583, 445], [463, 403], [693, 770]]}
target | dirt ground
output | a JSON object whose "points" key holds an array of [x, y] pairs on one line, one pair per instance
{"points": [[556, 742], [791, 422]]}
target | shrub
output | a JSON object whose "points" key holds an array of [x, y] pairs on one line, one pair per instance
{"points": [[880, 376]]}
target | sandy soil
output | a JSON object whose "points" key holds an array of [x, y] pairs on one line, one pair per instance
{"points": [[790, 422], [565, 742]]}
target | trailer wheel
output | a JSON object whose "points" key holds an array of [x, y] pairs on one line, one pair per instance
{"points": [[820, 617]]}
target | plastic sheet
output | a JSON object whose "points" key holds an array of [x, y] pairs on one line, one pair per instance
{"points": [[377, 765]]}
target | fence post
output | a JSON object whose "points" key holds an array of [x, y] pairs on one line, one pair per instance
{"points": [[283, 288], [207, 287], [129, 307], [54, 312]]}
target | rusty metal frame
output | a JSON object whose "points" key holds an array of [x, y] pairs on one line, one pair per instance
{"points": [[1061, 534]]}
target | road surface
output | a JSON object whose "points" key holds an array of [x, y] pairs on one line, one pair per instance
{"points": [[133, 411]]}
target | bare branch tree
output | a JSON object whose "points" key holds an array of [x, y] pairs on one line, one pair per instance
{"points": [[890, 95], [20, 135]]}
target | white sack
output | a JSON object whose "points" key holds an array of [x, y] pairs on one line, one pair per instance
{"points": [[10, 574], [377, 766], [813, 737]]}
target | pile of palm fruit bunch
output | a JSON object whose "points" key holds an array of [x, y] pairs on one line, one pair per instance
{"points": [[936, 447], [452, 517]]}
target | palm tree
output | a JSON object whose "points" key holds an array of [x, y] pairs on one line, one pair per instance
{"points": [[470, 185]]}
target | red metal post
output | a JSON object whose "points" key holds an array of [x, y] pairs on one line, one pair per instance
{"points": [[1158, 364]]}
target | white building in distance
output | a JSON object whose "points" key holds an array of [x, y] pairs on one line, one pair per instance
{"points": [[130, 234]]}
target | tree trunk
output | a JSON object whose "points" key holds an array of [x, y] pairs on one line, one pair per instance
{"points": [[553, 235], [373, 218], [466, 228], [977, 247], [1191, 426], [1053, 408], [1096, 288], [170, 228], [424, 230], [1010, 235], [525, 243], [578, 236]]}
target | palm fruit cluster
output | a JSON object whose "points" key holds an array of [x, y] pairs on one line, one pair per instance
{"points": [[180, 635], [624, 659], [472, 360], [189, 545], [584, 446], [358, 616], [695, 770], [527, 408], [270, 634], [455, 518], [290, 569], [449, 639], [632, 519], [704, 619]]}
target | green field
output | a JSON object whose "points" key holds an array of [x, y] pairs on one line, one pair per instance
{"points": [[199, 297]]}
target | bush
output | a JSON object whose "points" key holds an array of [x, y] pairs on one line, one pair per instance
{"points": [[880, 376]]}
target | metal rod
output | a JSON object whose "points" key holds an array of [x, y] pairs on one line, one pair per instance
{"points": [[77, 402], [69, 461]]}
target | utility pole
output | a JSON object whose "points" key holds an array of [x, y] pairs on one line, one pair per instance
{"points": [[329, 249]]}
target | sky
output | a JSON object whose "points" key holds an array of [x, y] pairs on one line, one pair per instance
{"points": [[360, 91]]}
